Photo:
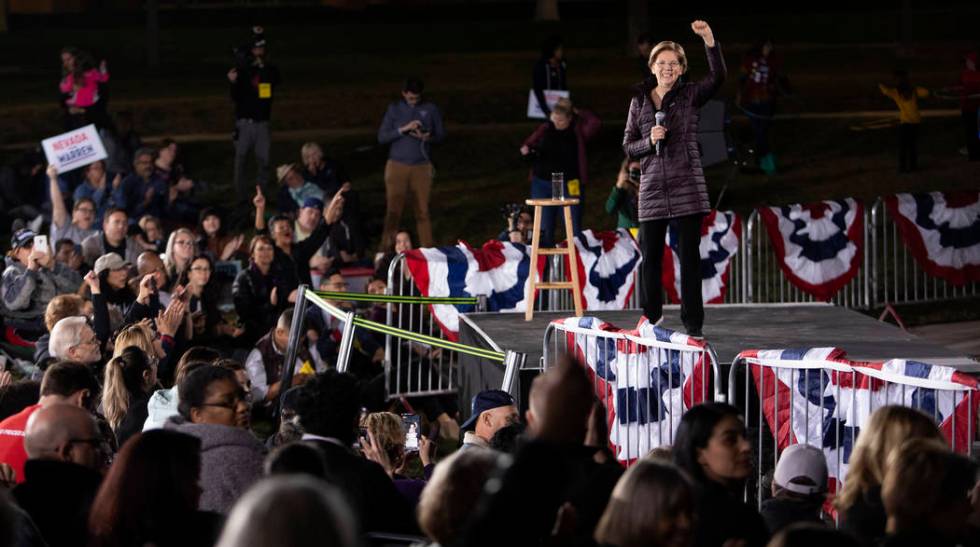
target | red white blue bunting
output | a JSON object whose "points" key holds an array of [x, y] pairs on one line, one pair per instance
{"points": [[645, 390], [828, 406], [942, 230], [818, 245], [606, 264], [721, 232], [498, 270]]}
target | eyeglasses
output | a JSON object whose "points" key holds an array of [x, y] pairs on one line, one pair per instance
{"points": [[183, 242], [93, 340], [237, 398], [664, 64]]}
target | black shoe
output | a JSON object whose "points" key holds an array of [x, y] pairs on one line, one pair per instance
{"points": [[695, 333]]}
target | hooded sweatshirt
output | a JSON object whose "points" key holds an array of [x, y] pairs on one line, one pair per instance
{"points": [[231, 461], [26, 293], [162, 406]]}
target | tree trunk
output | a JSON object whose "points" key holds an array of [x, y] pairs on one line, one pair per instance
{"points": [[547, 10]]}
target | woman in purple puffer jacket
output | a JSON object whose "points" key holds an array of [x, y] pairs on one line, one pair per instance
{"points": [[672, 186]]}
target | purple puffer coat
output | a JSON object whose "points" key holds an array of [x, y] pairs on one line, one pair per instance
{"points": [[672, 184]]}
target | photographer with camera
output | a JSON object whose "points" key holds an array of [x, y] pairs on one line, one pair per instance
{"points": [[519, 223], [411, 126], [253, 82], [622, 200]]}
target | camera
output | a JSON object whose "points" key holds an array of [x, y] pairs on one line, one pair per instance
{"points": [[511, 211], [634, 175]]}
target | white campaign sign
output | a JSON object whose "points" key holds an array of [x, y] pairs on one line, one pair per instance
{"points": [[74, 149], [551, 97]]}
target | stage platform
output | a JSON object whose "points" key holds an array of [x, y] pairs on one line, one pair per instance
{"points": [[731, 328]]}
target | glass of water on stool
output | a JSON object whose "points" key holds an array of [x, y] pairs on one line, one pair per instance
{"points": [[558, 186]]}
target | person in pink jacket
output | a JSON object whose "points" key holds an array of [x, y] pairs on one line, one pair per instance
{"points": [[80, 86]]}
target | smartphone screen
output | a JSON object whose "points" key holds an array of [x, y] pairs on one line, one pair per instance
{"points": [[41, 244], [412, 425]]}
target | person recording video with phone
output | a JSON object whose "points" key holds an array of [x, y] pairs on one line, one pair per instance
{"points": [[519, 224], [411, 126], [659, 133], [623, 195], [31, 279]]}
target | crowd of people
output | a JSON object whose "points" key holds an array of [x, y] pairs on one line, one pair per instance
{"points": [[80, 466]]}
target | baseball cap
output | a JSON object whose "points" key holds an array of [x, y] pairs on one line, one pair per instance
{"points": [[801, 460], [21, 238], [313, 203], [284, 170], [109, 261], [484, 401]]}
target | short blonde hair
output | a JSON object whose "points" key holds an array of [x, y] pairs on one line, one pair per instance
{"points": [[310, 148], [61, 306], [563, 107], [137, 336], [669, 46]]}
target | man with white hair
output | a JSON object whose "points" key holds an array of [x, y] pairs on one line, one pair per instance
{"points": [[72, 339], [63, 383]]}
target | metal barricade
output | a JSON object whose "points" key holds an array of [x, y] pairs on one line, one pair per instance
{"points": [[897, 277], [647, 383], [764, 282], [833, 411], [412, 368], [735, 289]]}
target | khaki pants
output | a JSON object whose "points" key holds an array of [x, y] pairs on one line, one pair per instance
{"points": [[399, 180]]}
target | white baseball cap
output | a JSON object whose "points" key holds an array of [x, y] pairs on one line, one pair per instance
{"points": [[801, 460]]}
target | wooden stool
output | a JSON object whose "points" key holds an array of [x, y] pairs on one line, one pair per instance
{"points": [[568, 250]]}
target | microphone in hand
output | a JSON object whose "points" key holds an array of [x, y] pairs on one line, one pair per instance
{"points": [[659, 117]]}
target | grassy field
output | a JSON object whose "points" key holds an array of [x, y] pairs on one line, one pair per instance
{"points": [[340, 73]]}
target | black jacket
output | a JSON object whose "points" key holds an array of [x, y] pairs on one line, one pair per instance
{"points": [[778, 513], [250, 293], [672, 184], [245, 91], [542, 478], [371, 493], [727, 517], [58, 496], [546, 76], [865, 520], [133, 420]]}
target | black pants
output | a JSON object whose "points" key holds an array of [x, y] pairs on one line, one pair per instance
{"points": [[652, 234], [908, 148]]}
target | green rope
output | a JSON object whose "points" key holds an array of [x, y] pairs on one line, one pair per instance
{"points": [[429, 340], [412, 336], [396, 299]]}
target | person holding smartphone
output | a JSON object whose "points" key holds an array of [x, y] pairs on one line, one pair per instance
{"points": [[623, 196], [31, 279], [410, 126]]}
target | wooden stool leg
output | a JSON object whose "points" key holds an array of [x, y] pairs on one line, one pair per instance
{"points": [[533, 270], [572, 261]]}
